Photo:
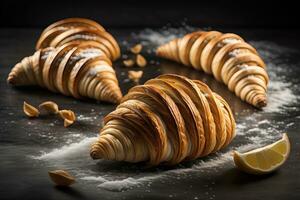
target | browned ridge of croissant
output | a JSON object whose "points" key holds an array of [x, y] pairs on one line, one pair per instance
{"points": [[79, 30], [228, 57], [78, 70], [73, 57], [167, 120]]}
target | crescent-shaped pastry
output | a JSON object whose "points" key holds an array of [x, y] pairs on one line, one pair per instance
{"points": [[227, 57], [167, 120], [73, 58]]}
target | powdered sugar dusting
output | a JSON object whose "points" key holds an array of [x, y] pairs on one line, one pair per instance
{"points": [[281, 92], [78, 149], [231, 41], [100, 68], [280, 95], [254, 129], [87, 118], [120, 185], [89, 53], [153, 38], [271, 53]]}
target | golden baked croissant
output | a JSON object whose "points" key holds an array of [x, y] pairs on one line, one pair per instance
{"points": [[78, 70], [228, 57], [167, 120], [73, 65]]}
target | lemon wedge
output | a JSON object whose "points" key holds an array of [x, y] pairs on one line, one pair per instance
{"points": [[265, 159]]}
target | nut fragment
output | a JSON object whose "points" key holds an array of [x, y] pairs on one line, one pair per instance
{"points": [[61, 178], [136, 49], [128, 63], [135, 75], [141, 61], [30, 110], [68, 122], [68, 116], [49, 107]]}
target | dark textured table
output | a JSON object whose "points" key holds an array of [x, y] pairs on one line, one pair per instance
{"points": [[29, 148]]}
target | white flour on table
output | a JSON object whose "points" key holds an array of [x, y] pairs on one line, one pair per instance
{"points": [[253, 130]]}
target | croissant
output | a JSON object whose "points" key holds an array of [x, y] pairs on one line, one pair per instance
{"points": [[228, 57], [72, 64], [167, 120]]}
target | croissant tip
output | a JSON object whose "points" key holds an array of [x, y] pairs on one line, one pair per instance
{"points": [[116, 98], [158, 51], [261, 103], [11, 79], [95, 152], [94, 155]]}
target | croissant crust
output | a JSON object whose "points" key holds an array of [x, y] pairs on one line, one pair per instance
{"points": [[227, 57], [73, 57], [169, 119]]}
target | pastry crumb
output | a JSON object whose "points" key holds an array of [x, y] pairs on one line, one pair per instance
{"points": [[135, 76], [128, 63], [61, 177], [68, 116], [49, 107], [141, 61], [30, 110], [136, 49]]}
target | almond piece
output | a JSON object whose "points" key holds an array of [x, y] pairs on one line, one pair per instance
{"points": [[49, 107], [136, 49], [68, 122], [30, 110], [135, 75], [61, 177], [141, 61], [128, 63], [68, 116]]}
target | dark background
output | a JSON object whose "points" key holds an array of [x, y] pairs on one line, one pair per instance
{"points": [[20, 25], [116, 14]]}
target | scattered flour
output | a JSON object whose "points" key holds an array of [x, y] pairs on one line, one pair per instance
{"points": [[252, 131], [280, 91], [253, 134], [120, 185], [86, 118], [100, 68], [73, 150], [153, 38], [94, 178], [280, 95]]}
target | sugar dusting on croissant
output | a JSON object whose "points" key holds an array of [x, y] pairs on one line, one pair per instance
{"points": [[79, 30], [228, 57], [169, 119]]}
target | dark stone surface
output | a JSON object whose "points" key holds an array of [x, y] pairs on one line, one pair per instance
{"points": [[22, 177]]}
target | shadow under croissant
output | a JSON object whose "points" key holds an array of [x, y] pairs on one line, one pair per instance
{"points": [[36, 91], [80, 125], [236, 104], [111, 166], [234, 176]]}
